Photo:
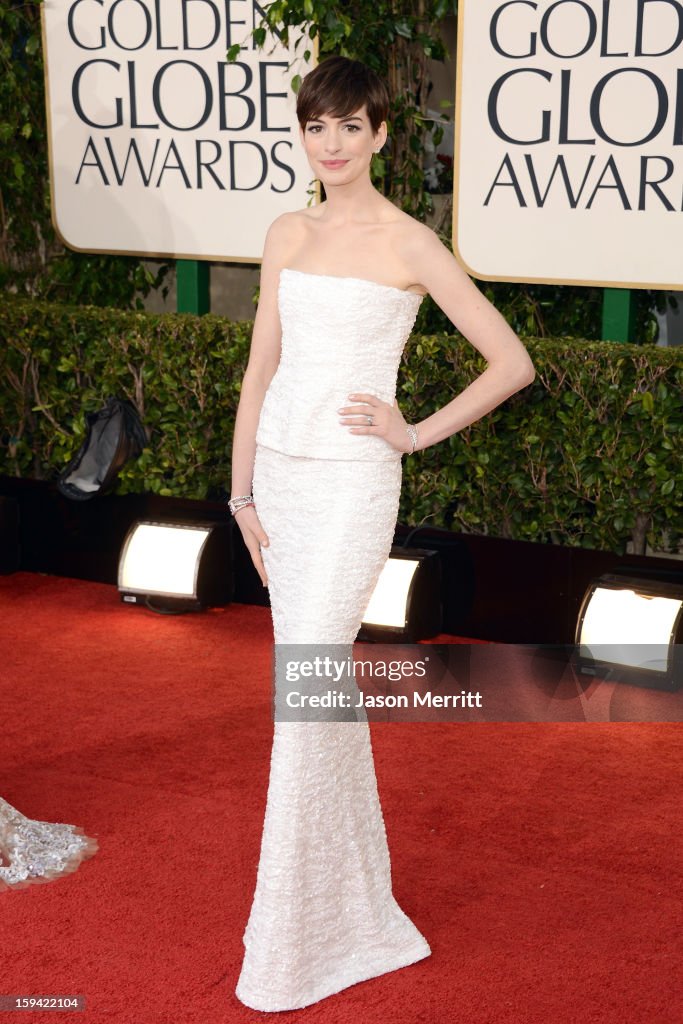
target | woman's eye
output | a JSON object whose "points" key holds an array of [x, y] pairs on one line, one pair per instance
{"points": [[353, 127], [314, 128]]}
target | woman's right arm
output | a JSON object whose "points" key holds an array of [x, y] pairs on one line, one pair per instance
{"points": [[264, 356]]}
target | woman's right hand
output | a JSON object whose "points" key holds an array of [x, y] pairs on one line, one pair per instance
{"points": [[254, 536]]}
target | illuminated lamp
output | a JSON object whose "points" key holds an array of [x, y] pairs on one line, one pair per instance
{"points": [[630, 629], [176, 567], [406, 603]]}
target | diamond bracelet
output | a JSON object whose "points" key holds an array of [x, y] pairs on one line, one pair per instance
{"points": [[412, 434], [241, 501]]}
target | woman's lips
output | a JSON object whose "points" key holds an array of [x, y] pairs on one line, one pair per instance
{"points": [[333, 163]]}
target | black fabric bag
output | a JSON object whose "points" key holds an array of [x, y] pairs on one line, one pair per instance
{"points": [[115, 435]]}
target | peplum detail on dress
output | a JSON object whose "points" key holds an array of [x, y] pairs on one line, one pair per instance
{"points": [[340, 336]]}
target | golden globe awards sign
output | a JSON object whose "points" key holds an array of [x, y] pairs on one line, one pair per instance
{"points": [[569, 141], [158, 145]]}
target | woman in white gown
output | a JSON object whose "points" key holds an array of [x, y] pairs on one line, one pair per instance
{"points": [[316, 477], [38, 851]]}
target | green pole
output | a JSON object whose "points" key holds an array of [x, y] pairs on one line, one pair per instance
{"points": [[192, 286], [618, 314]]}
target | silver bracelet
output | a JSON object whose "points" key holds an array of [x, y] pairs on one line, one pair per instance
{"points": [[412, 434], [241, 501]]}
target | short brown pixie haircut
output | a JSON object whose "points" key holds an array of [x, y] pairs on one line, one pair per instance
{"points": [[338, 87]]}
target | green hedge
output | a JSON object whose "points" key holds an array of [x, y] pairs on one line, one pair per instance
{"points": [[587, 455]]}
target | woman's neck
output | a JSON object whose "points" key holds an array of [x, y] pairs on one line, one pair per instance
{"points": [[356, 201]]}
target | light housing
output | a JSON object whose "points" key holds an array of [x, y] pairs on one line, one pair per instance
{"points": [[630, 629], [176, 566], [405, 605]]}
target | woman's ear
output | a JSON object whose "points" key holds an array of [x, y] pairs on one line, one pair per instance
{"points": [[381, 136]]}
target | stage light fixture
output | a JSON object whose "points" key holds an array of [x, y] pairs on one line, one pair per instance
{"points": [[630, 629], [176, 567], [406, 603]]}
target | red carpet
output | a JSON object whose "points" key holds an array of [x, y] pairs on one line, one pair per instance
{"points": [[541, 861]]}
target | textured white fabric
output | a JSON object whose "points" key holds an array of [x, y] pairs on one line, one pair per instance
{"points": [[37, 851], [340, 336], [323, 915]]}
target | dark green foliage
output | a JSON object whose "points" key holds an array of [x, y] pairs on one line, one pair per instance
{"points": [[183, 372], [554, 311], [587, 455]]}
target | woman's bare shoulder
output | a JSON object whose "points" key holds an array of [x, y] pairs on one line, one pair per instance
{"points": [[294, 220], [289, 230], [411, 241], [410, 232]]}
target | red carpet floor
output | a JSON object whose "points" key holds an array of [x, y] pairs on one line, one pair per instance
{"points": [[541, 861]]}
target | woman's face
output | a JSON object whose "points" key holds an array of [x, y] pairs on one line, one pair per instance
{"points": [[339, 149]]}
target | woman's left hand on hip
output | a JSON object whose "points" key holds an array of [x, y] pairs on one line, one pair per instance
{"points": [[387, 420]]}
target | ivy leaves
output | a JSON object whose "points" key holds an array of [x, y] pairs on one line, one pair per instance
{"points": [[590, 454], [395, 39]]}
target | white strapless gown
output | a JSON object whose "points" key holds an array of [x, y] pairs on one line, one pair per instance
{"points": [[38, 851], [323, 915]]}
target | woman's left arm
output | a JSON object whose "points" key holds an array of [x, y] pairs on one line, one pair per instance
{"points": [[509, 367]]}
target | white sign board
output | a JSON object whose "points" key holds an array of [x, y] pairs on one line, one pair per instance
{"points": [[158, 145], [569, 141]]}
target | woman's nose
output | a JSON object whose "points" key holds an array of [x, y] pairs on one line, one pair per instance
{"points": [[332, 142]]}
